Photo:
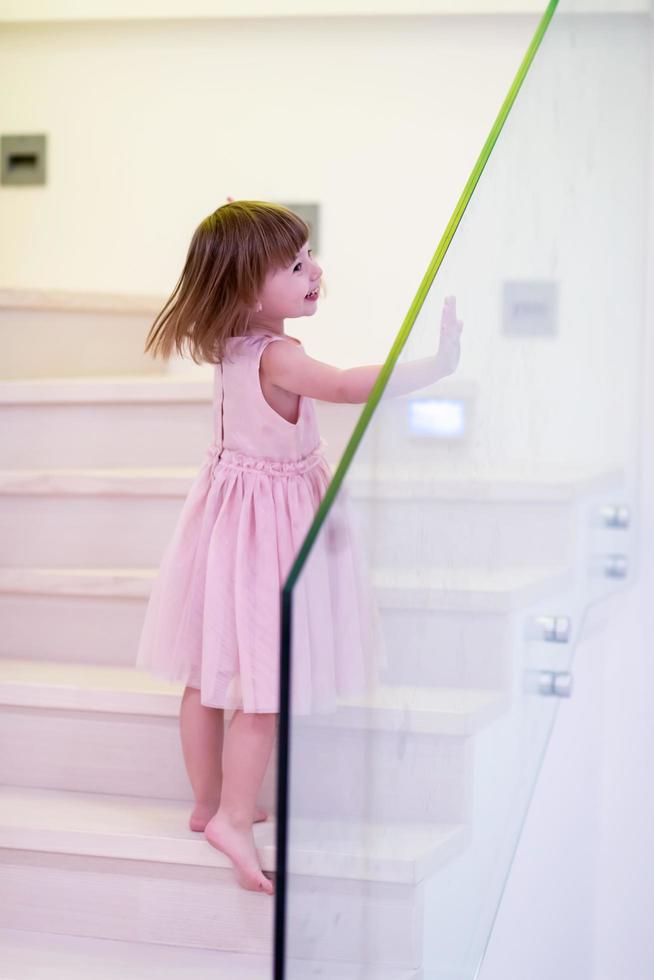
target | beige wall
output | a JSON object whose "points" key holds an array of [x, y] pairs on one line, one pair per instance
{"points": [[150, 126]]}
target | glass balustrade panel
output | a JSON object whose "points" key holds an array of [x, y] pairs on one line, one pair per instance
{"points": [[477, 525]]}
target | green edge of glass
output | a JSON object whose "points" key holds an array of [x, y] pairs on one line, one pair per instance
{"points": [[418, 300]]}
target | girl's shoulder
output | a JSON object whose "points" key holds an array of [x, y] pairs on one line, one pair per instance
{"points": [[252, 341], [250, 344], [257, 335]]}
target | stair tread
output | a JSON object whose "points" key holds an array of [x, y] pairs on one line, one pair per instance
{"points": [[137, 581], [152, 829], [463, 482], [159, 481], [473, 579], [508, 484], [469, 589], [99, 687], [48, 956], [196, 386]]}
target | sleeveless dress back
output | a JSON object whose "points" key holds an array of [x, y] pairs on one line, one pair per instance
{"points": [[214, 613]]}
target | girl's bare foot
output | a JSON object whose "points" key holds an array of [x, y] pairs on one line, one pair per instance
{"points": [[203, 812], [237, 843]]}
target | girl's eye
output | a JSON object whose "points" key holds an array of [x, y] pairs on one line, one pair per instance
{"points": [[299, 263]]}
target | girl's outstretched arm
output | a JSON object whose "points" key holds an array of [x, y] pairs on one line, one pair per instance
{"points": [[288, 367]]}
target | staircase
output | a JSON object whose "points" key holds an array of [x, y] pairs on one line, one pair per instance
{"points": [[100, 871]]}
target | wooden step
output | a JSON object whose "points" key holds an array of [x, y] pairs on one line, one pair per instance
{"points": [[127, 420], [443, 588], [62, 717], [124, 690], [128, 868], [46, 956], [141, 828], [84, 516], [460, 622], [502, 486]]}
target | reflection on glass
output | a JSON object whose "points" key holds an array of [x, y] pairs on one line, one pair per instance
{"points": [[481, 507]]}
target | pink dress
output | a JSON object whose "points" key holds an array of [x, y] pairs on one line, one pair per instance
{"points": [[214, 613]]}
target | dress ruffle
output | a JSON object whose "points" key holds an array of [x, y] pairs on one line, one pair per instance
{"points": [[267, 464]]}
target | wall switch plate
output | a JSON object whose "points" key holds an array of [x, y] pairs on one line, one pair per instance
{"points": [[530, 308], [311, 214], [23, 159]]}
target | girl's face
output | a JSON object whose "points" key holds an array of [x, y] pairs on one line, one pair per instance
{"points": [[285, 290]]}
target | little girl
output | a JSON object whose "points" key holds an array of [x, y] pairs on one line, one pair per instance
{"points": [[213, 618]]}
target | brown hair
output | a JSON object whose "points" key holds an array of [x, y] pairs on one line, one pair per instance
{"points": [[231, 252]]}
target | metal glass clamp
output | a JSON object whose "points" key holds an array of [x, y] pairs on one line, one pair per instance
{"points": [[549, 683], [615, 515], [551, 629], [616, 566]]}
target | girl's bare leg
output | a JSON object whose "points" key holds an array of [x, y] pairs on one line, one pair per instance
{"points": [[201, 731], [248, 743]]}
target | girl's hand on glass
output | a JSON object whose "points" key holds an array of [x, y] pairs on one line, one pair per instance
{"points": [[449, 349]]}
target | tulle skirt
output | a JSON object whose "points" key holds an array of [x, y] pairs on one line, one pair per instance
{"points": [[214, 613]]}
